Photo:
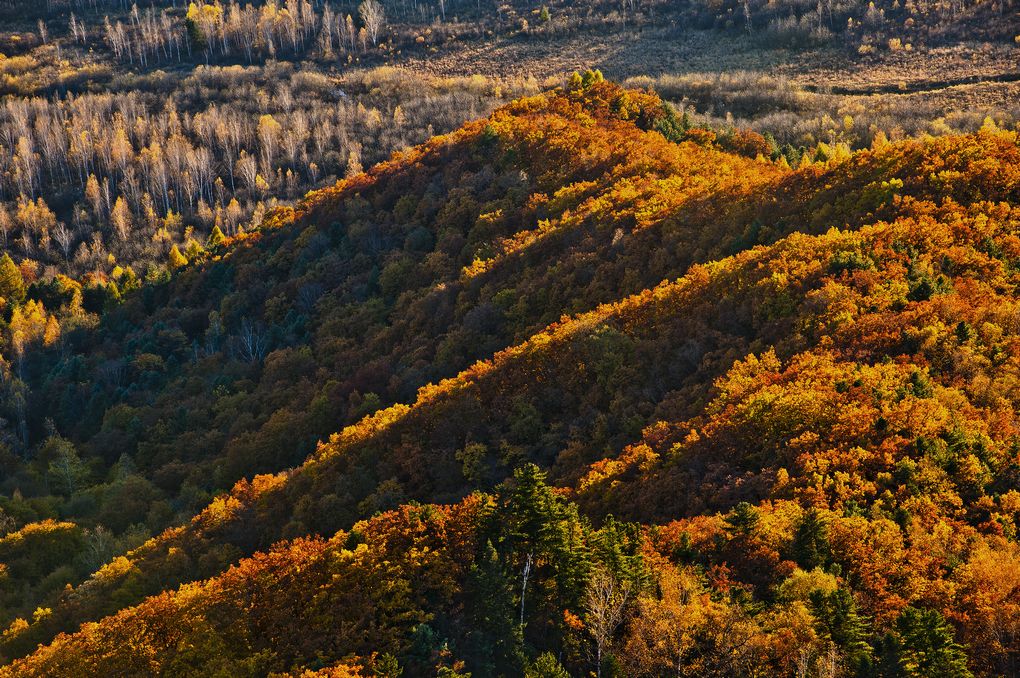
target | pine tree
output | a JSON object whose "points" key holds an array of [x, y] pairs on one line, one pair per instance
{"points": [[12, 284], [669, 124], [810, 541], [544, 539], [928, 645], [887, 656], [743, 519], [837, 619], [685, 120], [387, 666], [617, 546], [496, 644], [591, 77], [531, 511]]}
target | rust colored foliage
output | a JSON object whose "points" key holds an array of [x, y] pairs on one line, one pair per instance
{"points": [[801, 386]]}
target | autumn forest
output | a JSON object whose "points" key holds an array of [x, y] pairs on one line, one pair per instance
{"points": [[453, 338]]}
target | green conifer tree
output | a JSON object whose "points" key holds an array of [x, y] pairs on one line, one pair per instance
{"points": [[496, 643], [743, 519], [838, 620], [591, 77], [928, 645], [543, 539], [811, 541]]}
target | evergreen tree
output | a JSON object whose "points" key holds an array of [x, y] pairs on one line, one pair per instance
{"points": [[670, 125], [791, 154], [531, 510], [920, 384], [426, 647], [387, 666], [495, 641], [573, 557], [544, 543], [743, 519], [887, 657], [811, 541], [928, 645], [685, 120], [617, 546], [838, 620], [591, 77]]}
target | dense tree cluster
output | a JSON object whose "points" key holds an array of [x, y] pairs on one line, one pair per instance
{"points": [[815, 435], [513, 583], [134, 174], [868, 25], [275, 380], [438, 386]]}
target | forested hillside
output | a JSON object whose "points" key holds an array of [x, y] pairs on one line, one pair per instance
{"points": [[579, 387], [241, 361], [131, 135]]}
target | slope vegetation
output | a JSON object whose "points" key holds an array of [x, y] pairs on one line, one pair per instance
{"points": [[814, 436], [239, 363]]}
